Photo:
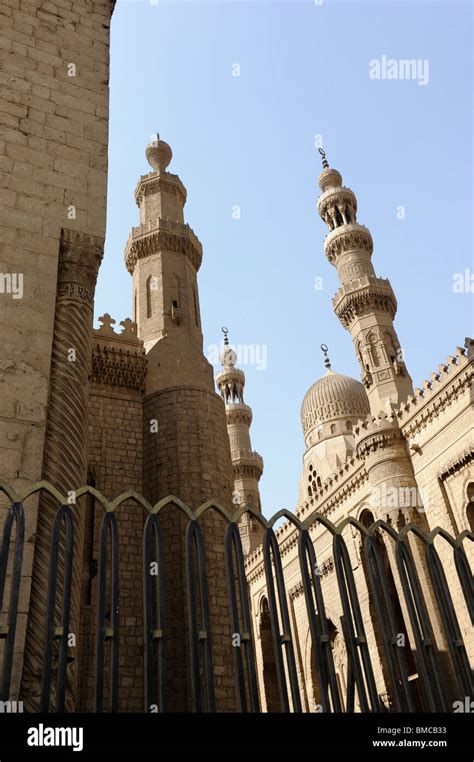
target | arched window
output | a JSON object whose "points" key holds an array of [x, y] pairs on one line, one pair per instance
{"points": [[349, 425], [333, 428]]}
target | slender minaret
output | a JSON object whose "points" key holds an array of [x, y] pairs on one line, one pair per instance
{"points": [[365, 304], [247, 464], [185, 444]]}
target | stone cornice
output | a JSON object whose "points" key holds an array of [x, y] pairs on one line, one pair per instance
{"points": [[238, 413], [80, 255], [375, 433], [247, 463], [360, 295], [230, 374], [118, 366], [162, 235], [456, 464], [346, 238], [454, 378]]}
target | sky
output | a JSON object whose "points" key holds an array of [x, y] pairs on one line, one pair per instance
{"points": [[245, 147]]}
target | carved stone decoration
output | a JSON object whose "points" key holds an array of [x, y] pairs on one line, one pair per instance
{"points": [[162, 235], [65, 448]]}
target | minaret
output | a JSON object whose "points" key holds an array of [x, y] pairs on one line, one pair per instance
{"points": [[185, 444], [247, 464], [163, 255], [365, 304]]}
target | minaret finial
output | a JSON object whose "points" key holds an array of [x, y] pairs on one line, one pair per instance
{"points": [[323, 157], [327, 361], [158, 153], [225, 331]]}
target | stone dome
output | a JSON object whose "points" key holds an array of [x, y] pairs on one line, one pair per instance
{"points": [[332, 397]]}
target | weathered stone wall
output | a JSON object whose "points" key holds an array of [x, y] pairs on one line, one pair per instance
{"points": [[53, 175], [189, 457], [115, 466]]}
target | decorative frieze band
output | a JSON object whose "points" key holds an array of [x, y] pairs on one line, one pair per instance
{"points": [[362, 295], [347, 238], [165, 235]]}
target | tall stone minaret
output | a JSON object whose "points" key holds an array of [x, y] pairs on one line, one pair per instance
{"points": [[185, 444], [365, 304], [247, 464]]}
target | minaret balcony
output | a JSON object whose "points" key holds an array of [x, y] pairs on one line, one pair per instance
{"points": [[361, 295], [158, 235], [230, 374], [345, 238], [247, 463], [341, 198], [238, 412]]}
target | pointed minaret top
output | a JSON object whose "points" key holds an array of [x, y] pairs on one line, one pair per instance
{"points": [[228, 356], [329, 177], [158, 153], [323, 158], [327, 361]]}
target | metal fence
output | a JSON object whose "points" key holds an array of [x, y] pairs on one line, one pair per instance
{"points": [[360, 680]]}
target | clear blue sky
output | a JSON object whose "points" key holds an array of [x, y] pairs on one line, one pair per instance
{"points": [[249, 141]]}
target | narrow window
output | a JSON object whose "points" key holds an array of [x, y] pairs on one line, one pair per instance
{"points": [[148, 297], [196, 313]]}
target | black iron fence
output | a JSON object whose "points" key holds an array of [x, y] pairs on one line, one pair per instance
{"points": [[361, 693]]}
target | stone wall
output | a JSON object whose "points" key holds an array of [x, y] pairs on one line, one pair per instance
{"points": [[116, 466], [53, 176], [189, 457]]}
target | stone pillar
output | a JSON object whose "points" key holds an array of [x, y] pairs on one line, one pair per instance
{"points": [[65, 447]]}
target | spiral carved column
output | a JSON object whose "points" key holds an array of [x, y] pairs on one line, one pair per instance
{"points": [[65, 448]]}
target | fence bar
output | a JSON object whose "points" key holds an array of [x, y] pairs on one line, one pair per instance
{"points": [[64, 512], [452, 630], [427, 655], [466, 578], [395, 655], [111, 633], [154, 616], [280, 639], [318, 624], [15, 513], [233, 541], [356, 640], [197, 637]]}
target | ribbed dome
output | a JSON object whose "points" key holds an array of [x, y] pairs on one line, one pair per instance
{"points": [[333, 396]]}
